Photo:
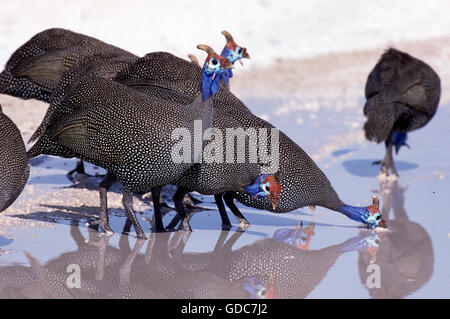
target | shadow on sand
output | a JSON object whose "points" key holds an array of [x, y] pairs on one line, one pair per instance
{"points": [[364, 167]]}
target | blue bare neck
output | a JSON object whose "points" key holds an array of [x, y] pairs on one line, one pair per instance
{"points": [[228, 73], [254, 188], [355, 213], [210, 83]]}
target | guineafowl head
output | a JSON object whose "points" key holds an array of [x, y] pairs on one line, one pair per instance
{"points": [[370, 215], [399, 140], [266, 185], [232, 51], [213, 67]]}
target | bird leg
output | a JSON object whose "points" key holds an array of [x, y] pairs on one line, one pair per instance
{"points": [[156, 192], [105, 184], [387, 164], [178, 200], [243, 222], [226, 224], [127, 201], [79, 169]]}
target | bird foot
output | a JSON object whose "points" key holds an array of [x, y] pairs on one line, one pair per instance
{"points": [[75, 176], [244, 225], [104, 226], [387, 168], [156, 229], [185, 226], [140, 235]]}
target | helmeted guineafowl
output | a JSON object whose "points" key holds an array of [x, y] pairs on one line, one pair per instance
{"points": [[14, 168], [35, 69], [302, 182], [126, 132], [402, 95], [233, 52]]}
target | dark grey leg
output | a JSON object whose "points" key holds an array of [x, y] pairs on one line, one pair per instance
{"points": [[105, 184], [228, 197], [78, 169], [178, 200], [388, 166], [156, 192], [174, 221], [126, 227], [226, 224], [127, 201]]}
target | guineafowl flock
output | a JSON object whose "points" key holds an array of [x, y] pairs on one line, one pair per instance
{"points": [[139, 118]]}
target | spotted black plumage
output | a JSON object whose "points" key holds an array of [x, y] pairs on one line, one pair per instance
{"points": [[34, 69], [402, 95], [14, 168]]}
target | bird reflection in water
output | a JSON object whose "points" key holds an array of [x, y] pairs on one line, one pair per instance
{"points": [[405, 255], [283, 266]]}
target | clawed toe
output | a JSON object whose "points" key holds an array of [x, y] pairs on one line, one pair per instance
{"points": [[106, 229]]}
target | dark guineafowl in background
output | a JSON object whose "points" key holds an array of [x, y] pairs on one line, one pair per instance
{"points": [[402, 95], [126, 132], [14, 168]]}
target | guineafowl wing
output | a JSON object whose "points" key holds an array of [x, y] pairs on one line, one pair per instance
{"points": [[45, 71], [381, 116], [35, 68]]}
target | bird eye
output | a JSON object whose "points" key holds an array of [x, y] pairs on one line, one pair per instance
{"points": [[214, 61], [262, 292], [240, 51], [265, 187], [378, 217]]}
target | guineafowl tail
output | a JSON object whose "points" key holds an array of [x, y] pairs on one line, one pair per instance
{"points": [[381, 117], [14, 168]]}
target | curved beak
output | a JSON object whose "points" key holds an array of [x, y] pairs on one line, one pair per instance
{"points": [[246, 55], [274, 203]]}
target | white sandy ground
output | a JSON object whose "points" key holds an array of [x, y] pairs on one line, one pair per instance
{"points": [[318, 103]]}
